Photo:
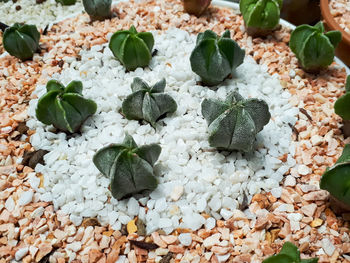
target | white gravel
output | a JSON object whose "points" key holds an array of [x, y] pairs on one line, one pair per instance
{"points": [[193, 177], [38, 14]]}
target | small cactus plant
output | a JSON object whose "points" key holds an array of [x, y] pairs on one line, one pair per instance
{"points": [[66, 2], [196, 7], [64, 107], [133, 49], [148, 103], [129, 167], [314, 49], [342, 108], [289, 254], [21, 41], [215, 58], [234, 123], [260, 16], [98, 9]]}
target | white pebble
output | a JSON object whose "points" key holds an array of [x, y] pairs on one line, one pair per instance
{"points": [[26, 198], [185, 239]]}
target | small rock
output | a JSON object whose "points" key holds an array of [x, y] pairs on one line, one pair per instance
{"points": [[290, 181], [317, 222], [328, 247], [185, 239], [303, 169], [320, 195], [21, 253], [10, 204], [26, 198], [177, 192], [309, 210], [316, 140], [212, 240]]}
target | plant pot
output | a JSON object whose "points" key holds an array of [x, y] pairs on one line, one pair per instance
{"points": [[301, 11], [343, 49]]}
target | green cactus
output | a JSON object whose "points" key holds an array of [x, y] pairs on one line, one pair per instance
{"points": [[336, 180], [215, 58], [129, 167], [261, 16], [64, 107], [21, 41], [98, 9], [289, 254], [342, 105], [131, 48], [234, 123], [314, 49], [148, 103]]}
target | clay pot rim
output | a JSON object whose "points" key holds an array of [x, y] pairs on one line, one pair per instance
{"points": [[330, 21]]}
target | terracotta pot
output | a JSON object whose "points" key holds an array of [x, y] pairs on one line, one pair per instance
{"points": [[301, 11], [343, 50]]}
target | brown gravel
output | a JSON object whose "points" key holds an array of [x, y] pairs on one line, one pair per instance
{"points": [[302, 214], [340, 9]]}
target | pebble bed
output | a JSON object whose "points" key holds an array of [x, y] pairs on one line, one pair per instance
{"points": [[33, 231], [340, 9], [194, 178]]}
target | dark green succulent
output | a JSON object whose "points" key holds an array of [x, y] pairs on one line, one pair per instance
{"points": [[66, 2], [342, 105], [261, 16], [214, 58], [131, 48], [64, 107], [336, 180], [148, 103], [129, 167], [98, 9], [21, 41], [313, 47], [289, 254], [234, 123]]}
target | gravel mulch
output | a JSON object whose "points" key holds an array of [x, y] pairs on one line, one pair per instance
{"points": [[32, 231], [340, 9]]}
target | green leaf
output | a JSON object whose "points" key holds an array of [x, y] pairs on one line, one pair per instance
{"points": [[74, 86], [232, 52], [147, 37], [60, 120], [104, 158], [258, 111], [72, 116], [345, 156], [98, 9], [83, 106], [46, 110], [31, 31], [54, 85], [347, 84], [138, 84], [342, 106], [211, 109], [279, 259], [159, 86], [310, 260], [207, 34], [129, 142], [290, 250], [150, 109], [130, 107], [117, 42], [165, 103], [334, 37], [67, 2], [298, 38], [319, 27], [149, 153]]}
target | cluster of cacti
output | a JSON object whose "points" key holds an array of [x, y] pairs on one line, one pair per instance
{"points": [[129, 167], [261, 16], [214, 58], [313, 47]]}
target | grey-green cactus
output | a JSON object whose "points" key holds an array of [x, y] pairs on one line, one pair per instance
{"points": [[21, 41], [234, 123], [133, 49], [64, 107], [148, 103], [214, 58], [260, 16], [67, 2], [314, 49], [129, 167], [98, 9]]}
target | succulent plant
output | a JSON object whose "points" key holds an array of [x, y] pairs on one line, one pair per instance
{"points": [[234, 123], [148, 103], [314, 48], [131, 48], [196, 7], [64, 107], [260, 16], [67, 2], [21, 41], [336, 180], [342, 108], [129, 167], [98, 9], [215, 58], [289, 254]]}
